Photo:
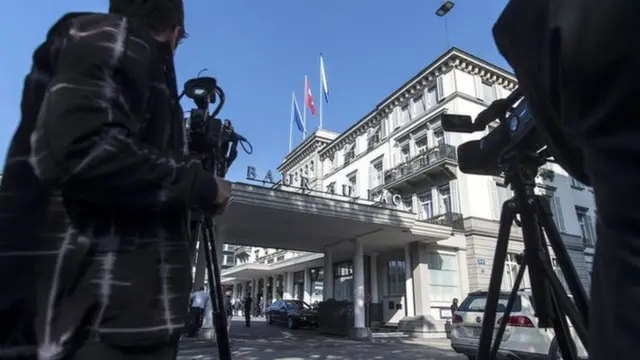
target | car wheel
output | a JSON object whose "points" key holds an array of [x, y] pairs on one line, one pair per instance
{"points": [[291, 324], [269, 321]]}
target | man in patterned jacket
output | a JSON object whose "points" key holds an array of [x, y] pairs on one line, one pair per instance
{"points": [[96, 192]]}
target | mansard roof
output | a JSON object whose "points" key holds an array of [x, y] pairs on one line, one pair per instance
{"points": [[453, 58]]}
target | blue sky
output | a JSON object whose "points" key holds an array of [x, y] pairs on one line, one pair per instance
{"points": [[260, 51]]}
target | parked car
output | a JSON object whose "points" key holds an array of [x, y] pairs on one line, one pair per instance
{"points": [[522, 339], [293, 313]]}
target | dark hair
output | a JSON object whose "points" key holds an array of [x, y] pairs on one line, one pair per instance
{"points": [[201, 288], [159, 15]]}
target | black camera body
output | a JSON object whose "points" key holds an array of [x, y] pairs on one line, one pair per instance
{"points": [[208, 135], [516, 133]]}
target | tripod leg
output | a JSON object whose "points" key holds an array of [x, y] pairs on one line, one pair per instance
{"points": [[215, 291], [559, 312], [507, 312], [488, 322], [564, 260]]}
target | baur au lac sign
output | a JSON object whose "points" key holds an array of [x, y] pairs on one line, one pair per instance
{"points": [[302, 182]]}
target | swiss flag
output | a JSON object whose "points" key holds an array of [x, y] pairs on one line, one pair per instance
{"points": [[310, 103]]}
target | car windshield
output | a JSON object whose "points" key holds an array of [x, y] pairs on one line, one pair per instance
{"points": [[297, 305], [477, 303]]}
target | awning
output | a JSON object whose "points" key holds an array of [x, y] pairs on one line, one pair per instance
{"points": [[273, 218], [250, 271]]}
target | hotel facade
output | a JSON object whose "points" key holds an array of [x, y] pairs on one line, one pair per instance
{"points": [[381, 217]]}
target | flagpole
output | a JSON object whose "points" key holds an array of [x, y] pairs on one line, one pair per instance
{"points": [[293, 104], [320, 93], [304, 115]]}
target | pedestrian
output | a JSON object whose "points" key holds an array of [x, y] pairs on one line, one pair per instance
{"points": [[454, 306], [247, 311], [199, 301], [228, 310]]}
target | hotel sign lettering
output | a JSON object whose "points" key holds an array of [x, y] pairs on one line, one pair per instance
{"points": [[302, 182]]}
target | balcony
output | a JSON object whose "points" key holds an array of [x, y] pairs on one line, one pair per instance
{"points": [[242, 251], [449, 219], [430, 168]]}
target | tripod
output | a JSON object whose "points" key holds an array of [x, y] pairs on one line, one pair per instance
{"points": [[551, 302]]}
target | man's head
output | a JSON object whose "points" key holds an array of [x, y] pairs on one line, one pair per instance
{"points": [[455, 300], [201, 288], [165, 18]]}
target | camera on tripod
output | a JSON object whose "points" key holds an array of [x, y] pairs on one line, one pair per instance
{"points": [[215, 143], [515, 149], [515, 133], [207, 135]]}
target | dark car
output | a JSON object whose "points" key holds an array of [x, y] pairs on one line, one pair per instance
{"points": [[293, 313]]}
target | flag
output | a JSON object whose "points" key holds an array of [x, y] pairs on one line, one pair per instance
{"points": [[323, 81], [309, 103], [297, 118]]}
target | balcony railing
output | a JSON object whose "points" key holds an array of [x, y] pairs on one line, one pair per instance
{"points": [[449, 219], [421, 162]]}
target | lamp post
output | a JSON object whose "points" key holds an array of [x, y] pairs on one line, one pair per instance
{"points": [[442, 12]]}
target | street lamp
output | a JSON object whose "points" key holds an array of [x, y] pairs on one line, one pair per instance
{"points": [[442, 11], [445, 8]]}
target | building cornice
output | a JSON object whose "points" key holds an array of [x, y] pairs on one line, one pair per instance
{"points": [[310, 145], [452, 59]]}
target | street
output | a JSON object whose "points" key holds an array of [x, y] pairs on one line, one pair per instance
{"points": [[271, 342]]}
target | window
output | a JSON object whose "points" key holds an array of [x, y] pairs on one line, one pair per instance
{"points": [[228, 260], [576, 184], [443, 277], [331, 161], [426, 205], [396, 275], [227, 247], [352, 182], [488, 92], [312, 166], [511, 269], [306, 170], [280, 258], [343, 281], [432, 97], [377, 174], [421, 144], [418, 106], [586, 226], [405, 152], [445, 199], [406, 115], [477, 303], [373, 137], [438, 137], [556, 210], [383, 127], [349, 152]]}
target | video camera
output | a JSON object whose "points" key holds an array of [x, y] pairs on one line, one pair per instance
{"points": [[515, 133], [208, 135]]}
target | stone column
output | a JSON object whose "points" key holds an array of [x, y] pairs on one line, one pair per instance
{"points": [[287, 292], [306, 295], [274, 292], [373, 277], [327, 286], [359, 326], [463, 275], [410, 301], [265, 281]]}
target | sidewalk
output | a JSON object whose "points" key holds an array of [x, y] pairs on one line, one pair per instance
{"points": [[272, 342]]}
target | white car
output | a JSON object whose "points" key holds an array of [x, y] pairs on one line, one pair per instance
{"points": [[522, 339]]}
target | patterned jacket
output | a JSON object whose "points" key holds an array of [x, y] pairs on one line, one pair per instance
{"points": [[96, 190]]}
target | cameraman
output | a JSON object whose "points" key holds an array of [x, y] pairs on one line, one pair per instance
{"points": [[577, 63], [96, 190]]}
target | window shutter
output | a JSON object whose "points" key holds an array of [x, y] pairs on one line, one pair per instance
{"points": [[590, 229], [493, 199], [479, 92], [558, 213], [439, 88], [383, 128], [396, 118], [455, 203], [396, 157]]}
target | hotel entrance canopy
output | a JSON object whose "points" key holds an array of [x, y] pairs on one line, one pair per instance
{"points": [[281, 219]]}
